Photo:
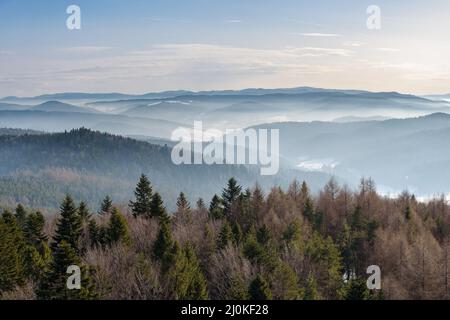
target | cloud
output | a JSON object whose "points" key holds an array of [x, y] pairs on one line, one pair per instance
{"points": [[83, 49], [318, 34], [355, 44], [233, 21]]}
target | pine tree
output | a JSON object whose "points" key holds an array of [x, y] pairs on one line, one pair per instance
{"points": [[183, 212], [118, 228], [263, 235], [68, 227], [157, 208], [12, 247], [259, 289], [225, 236], [357, 290], [163, 243], [106, 206], [34, 229], [21, 215], [83, 211], [144, 194], [216, 208], [53, 286], [230, 195]]}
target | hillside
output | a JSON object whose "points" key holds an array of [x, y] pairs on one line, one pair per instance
{"points": [[38, 170]]}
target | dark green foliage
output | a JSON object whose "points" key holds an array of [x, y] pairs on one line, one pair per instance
{"points": [[357, 290], [157, 208], [216, 210], [230, 195], [118, 228], [53, 286], [84, 213], [21, 215], [106, 206], [68, 228], [12, 247], [225, 236], [142, 207], [34, 229], [263, 235], [259, 289], [163, 244]]}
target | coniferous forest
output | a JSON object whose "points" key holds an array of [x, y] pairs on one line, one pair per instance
{"points": [[241, 245]]}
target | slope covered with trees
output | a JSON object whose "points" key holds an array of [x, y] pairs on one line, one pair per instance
{"points": [[244, 244], [38, 170]]}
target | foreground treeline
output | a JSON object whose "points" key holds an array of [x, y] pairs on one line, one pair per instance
{"points": [[242, 245]]}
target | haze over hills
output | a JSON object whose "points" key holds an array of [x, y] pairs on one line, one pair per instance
{"points": [[346, 133], [400, 153], [39, 169]]}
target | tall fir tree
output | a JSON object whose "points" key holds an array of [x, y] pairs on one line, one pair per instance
{"points": [[106, 206], [230, 195], [118, 228], [68, 227], [157, 208], [216, 208], [12, 246], [259, 289], [143, 194], [225, 236]]}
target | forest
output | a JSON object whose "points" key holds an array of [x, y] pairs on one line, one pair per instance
{"points": [[243, 245]]}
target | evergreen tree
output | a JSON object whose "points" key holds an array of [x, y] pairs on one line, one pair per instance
{"points": [[259, 289], [83, 211], [183, 209], [21, 215], [106, 206], [230, 195], [118, 228], [12, 248], [225, 236], [53, 286], [144, 194], [163, 243], [157, 208], [201, 205], [357, 290], [216, 208], [263, 235], [34, 229], [68, 227]]}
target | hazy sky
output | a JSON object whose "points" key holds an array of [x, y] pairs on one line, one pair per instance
{"points": [[137, 46]]}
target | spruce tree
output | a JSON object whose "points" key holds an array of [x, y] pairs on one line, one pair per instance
{"points": [[216, 208], [143, 194], [12, 247], [183, 213], [230, 195], [68, 227], [118, 228], [225, 236], [157, 208], [21, 215], [259, 289], [53, 285], [106, 206], [163, 243], [83, 211], [34, 229]]}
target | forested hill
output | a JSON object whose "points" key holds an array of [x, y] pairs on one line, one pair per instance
{"points": [[38, 170]]}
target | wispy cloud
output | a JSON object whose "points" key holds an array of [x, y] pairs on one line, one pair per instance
{"points": [[233, 21], [83, 49], [318, 34]]}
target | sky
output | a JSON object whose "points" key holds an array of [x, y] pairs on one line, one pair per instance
{"points": [[139, 46]]}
